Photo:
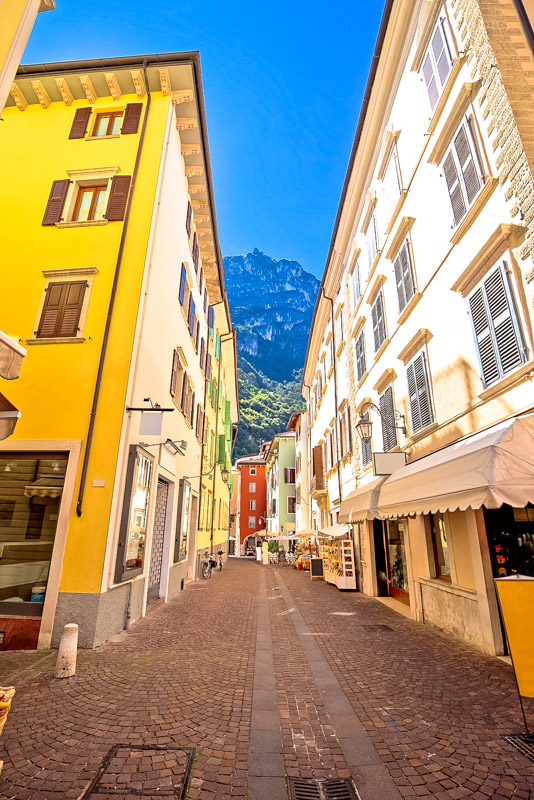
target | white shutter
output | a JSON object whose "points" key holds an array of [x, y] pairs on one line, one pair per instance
{"points": [[455, 190], [437, 65], [483, 337], [379, 326], [355, 284], [419, 394], [404, 277], [360, 356], [430, 80], [466, 160]]}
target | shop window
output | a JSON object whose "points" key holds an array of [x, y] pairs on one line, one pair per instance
{"points": [[134, 518], [31, 486], [397, 562], [404, 276], [437, 64], [359, 353], [496, 327], [462, 170], [440, 546], [182, 521], [419, 394]]}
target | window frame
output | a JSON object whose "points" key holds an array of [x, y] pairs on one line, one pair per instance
{"points": [[429, 55], [398, 271], [361, 356], [289, 499], [411, 366], [379, 299], [252, 484], [253, 519], [465, 126], [96, 188], [438, 575], [113, 115]]}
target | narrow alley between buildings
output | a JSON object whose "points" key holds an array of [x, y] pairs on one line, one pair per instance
{"points": [[268, 676]]}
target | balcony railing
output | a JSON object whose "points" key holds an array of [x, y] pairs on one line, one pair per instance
{"points": [[318, 484]]}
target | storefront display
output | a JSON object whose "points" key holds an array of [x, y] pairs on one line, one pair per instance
{"points": [[338, 560], [396, 556]]}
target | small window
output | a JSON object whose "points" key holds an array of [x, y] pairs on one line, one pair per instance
{"points": [[440, 546], [387, 415], [251, 523], [379, 322], [419, 394], [371, 238], [498, 336], [437, 64], [253, 470], [291, 502], [90, 202], [404, 277], [289, 475], [252, 505], [108, 124], [463, 171], [359, 354], [252, 487]]}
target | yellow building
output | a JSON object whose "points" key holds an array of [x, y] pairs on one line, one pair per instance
{"points": [[107, 201]]}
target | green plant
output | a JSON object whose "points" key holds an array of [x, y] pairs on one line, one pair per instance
{"points": [[273, 547]]}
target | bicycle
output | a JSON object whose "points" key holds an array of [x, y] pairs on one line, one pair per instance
{"points": [[208, 565]]}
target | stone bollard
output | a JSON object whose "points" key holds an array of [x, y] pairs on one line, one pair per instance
{"points": [[68, 648]]}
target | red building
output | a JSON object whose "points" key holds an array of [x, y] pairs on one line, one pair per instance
{"points": [[251, 500]]}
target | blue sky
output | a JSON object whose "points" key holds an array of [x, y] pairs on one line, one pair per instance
{"points": [[283, 84]]}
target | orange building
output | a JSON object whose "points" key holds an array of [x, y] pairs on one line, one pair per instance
{"points": [[251, 500]]}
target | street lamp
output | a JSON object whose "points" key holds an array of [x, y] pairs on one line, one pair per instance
{"points": [[364, 425], [224, 474]]}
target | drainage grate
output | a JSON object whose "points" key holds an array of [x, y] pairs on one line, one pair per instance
{"points": [[377, 628], [523, 743], [145, 770], [332, 789]]}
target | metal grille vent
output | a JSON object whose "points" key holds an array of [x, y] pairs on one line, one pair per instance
{"points": [[377, 628], [524, 744], [333, 789]]}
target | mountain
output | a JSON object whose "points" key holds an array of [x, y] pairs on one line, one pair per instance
{"points": [[272, 306]]}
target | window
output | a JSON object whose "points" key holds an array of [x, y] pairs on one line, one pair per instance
{"points": [[344, 433], [291, 502], [195, 252], [387, 415], [366, 446], [379, 322], [319, 387], [371, 238], [252, 487], [251, 523], [328, 359], [61, 311], [187, 401], [339, 327], [289, 475], [208, 366], [205, 306], [404, 276], [253, 470], [176, 377], [440, 546], [463, 172], [90, 203], [108, 124], [359, 355], [419, 394], [355, 285], [211, 318], [188, 215], [437, 64], [496, 327], [197, 336], [183, 284], [133, 527], [274, 505], [191, 315], [297, 495], [252, 505], [199, 431], [202, 354]]}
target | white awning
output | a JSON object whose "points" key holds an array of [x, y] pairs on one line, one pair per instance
{"points": [[335, 531], [305, 533], [9, 415], [362, 502], [11, 355], [47, 486], [490, 468]]}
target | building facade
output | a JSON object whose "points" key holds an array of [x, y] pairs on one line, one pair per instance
{"points": [[251, 501], [280, 477], [119, 298], [430, 271]]}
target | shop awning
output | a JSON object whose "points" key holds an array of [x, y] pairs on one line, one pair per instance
{"points": [[335, 531], [11, 355], [47, 486], [305, 533], [362, 502], [490, 468], [8, 417]]}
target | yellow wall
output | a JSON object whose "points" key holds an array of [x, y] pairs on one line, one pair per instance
{"points": [[57, 381]]}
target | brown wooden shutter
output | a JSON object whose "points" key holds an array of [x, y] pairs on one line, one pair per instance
{"points": [[318, 460], [118, 198], [174, 373], [72, 308], [132, 115], [79, 124], [56, 201], [51, 310]]}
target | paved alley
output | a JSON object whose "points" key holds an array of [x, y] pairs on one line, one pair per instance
{"points": [[267, 675]]}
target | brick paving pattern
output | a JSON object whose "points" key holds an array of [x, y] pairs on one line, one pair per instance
{"points": [[435, 709]]}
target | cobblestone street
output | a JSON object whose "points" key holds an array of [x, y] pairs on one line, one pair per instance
{"points": [[268, 675]]}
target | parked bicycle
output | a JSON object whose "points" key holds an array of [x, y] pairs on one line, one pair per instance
{"points": [[208, 564]]}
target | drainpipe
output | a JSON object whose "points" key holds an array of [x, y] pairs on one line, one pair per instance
{"points": [[225, 338], [118, 263], [334, 361], [309, 495]]}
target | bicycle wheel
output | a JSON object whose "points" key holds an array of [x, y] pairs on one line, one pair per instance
{"points": [[206, 571], [220, 566]]}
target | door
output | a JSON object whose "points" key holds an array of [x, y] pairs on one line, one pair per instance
{"points": [[396, 557], [158, 536], [380, 558]]}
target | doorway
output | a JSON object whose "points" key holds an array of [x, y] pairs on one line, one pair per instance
{"points": [[158, 537], [396, 558], [380, 558]]}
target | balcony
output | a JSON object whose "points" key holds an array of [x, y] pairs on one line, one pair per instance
{"points": [[318, 486]]}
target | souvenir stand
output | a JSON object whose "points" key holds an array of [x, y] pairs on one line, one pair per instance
{"points": [[338, 556]]}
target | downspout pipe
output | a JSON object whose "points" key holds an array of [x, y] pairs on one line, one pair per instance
{"points": [[111, 306], [309, 454], [334, 361]]}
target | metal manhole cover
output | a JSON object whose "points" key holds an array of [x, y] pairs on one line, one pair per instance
{"points": [[377, 628], [332, 789], [524, 744], [145, 770]]}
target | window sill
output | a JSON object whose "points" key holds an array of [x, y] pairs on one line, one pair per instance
{"points": [[92, 223], [362, 379], [57, 340], [381, 349], [475, 209], [396, 211], [373, 265], [98, 138], [340, 348], [409, 308], [507, 381], [446, 91], [416, 437]]}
